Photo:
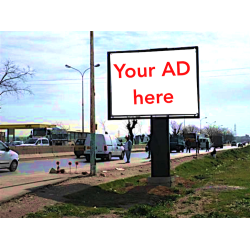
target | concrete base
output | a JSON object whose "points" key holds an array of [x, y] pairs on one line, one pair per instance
{"points": [[165, 181]]}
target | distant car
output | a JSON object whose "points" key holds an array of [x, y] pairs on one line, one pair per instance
{"points": [[37, 142], [16, 143], [244, 143], [240, 144], [8, 158], [233, 143]]}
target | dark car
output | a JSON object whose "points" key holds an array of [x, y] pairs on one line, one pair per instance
{"points": [[233, 143], [244, 143], [16, 143], [240, 144]]}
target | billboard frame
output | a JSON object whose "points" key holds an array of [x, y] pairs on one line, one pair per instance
{"points": [[170, 116]]}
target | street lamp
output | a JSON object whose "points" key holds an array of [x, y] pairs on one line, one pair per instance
{"points": [[211, 123], [82, 74], [200, 123]]}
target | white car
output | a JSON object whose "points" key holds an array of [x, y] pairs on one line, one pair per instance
{"points": [[36, 142], [8, 158]]}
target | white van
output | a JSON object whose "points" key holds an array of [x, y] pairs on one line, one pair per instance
{"points": [[106, 147], [203, 143]]}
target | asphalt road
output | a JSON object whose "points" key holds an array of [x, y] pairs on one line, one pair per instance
{"points": [[43, 166]]}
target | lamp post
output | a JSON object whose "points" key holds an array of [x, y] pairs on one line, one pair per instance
{"points": [[200, 123], [82, 74], [211, 123]]}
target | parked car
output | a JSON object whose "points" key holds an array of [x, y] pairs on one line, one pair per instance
{"points": [[16, 143], [233, 143], [79, 147], [8, 158], [106, 147], [244, 143], [37, 142], [240, 145]]}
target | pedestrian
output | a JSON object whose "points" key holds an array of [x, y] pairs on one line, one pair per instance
{"points": [[198, 144], [188, 145], [149, 148], [128, 148], [207, 146], [213, 153]]}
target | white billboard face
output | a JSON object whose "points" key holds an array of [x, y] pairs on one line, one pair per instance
{"points": [[153, 83]]}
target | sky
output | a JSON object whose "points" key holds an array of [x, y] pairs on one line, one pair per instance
{"points": [[223, 66], [223, 62]]}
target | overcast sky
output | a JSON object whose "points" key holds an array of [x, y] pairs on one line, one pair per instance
{"points": [[224, 74]]}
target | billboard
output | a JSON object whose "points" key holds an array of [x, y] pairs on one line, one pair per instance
{"points": [[153, 83]]}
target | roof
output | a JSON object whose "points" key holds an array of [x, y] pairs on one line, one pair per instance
{"points": [[26, 125]]}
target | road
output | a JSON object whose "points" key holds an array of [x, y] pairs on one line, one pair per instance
{"points": [[43, 166]]}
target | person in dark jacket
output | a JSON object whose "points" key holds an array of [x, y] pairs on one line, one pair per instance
{"points": [[198, 145], [207, 146], [188, 145], [149, 148]]}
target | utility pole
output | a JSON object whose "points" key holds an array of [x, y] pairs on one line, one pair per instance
{"points": [[92, 107]]}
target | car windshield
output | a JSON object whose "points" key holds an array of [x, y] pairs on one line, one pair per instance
{"points": [[30, 141], [39, 132], [80, 142]]}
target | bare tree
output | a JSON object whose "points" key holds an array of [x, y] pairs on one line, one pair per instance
{"points": [[176, 128], [191, 129], [12, 78], [103, 124], [130, 126], [139, 126]]}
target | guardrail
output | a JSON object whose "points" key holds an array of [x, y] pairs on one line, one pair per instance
{"points": [[42, 149]]}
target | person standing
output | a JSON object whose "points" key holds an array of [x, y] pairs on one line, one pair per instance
{"points": [[188, 145], [198, 144], [128, 148], [207, 146], [149, 148]]}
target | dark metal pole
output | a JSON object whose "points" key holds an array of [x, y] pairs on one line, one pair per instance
{"points": [[92, 107], [160, 151]]}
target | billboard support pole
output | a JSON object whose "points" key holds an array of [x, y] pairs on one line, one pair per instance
{"points": [[160, 151]]}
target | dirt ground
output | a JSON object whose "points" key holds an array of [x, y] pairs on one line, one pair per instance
{"points": [[52, 194]]}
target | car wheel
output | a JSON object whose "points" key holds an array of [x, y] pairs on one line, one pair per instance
{"points": [[77, 156], [122, 156], [109, 157], [87, 158], [13, 166]]}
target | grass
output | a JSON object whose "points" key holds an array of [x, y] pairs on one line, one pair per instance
{"points": [[204, 188]]}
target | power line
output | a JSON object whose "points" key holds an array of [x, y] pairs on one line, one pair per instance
{"points": [[102, 78], [223, 69]]}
